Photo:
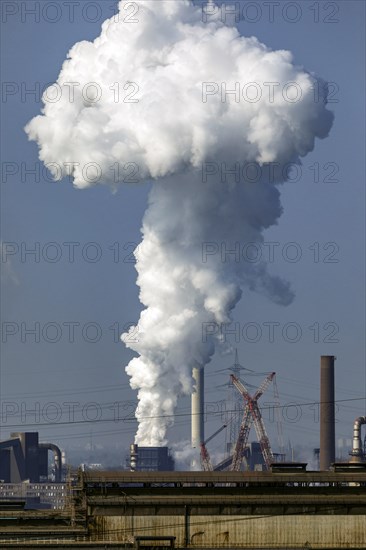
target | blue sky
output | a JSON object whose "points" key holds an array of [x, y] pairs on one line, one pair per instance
{"points": [[99, 299]]}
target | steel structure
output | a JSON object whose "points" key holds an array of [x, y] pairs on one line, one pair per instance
{"points": [[252, 415], [286, 508], [22, 458], [206, 463], [237, 406]]}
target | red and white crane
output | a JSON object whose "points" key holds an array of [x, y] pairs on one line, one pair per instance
{"points": [[206, 463], [252, 415]]}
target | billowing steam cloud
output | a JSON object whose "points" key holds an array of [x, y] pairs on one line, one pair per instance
{"points": [[158, 110]]}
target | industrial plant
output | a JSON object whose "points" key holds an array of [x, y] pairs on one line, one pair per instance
{"points": [[151, 459], [181, 98], [22, 458], [149, 505]]}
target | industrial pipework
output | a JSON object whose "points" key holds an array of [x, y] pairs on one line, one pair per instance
{"points": [[134, 456], [57, 458], [357, 451]]}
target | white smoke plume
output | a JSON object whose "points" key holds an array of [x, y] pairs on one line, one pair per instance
{"points": [[184, 455], [170, 133]]}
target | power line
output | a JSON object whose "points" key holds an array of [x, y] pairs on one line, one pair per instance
{"points": [[168, 416]]}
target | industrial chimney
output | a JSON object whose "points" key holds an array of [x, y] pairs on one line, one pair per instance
{"points": [[198, 408], [357, 450], [327, 412]]}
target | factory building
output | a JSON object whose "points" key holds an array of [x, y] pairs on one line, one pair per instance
{"points": [[23, 458], [151, 459], [34, 496]]}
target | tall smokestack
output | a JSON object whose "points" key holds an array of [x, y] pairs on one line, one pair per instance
{"points": [[327, 416], [198, 407]]}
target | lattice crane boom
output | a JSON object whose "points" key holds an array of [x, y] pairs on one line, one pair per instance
{"points": [[242, 439], [262, 434], [205, 455], [240, 387], [251, 415], [262, 388], [205, 459]]}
